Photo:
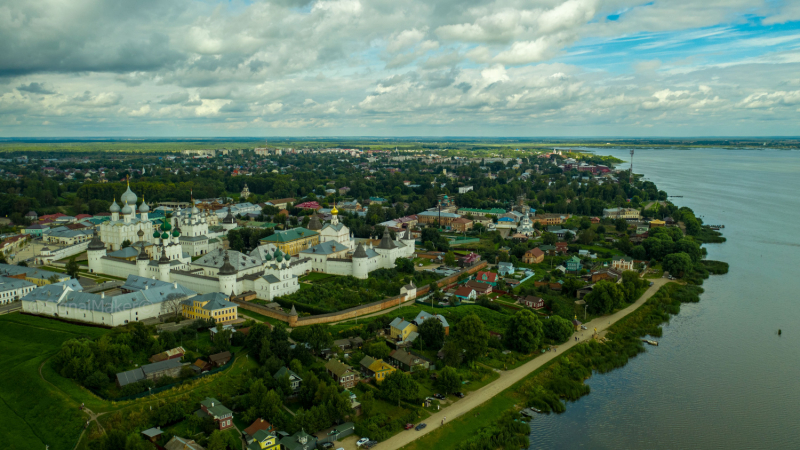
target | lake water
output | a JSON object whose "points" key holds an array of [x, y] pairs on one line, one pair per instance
{"points": [[721, 376]]}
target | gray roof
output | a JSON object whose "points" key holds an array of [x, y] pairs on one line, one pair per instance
{"points": [[127, 252], [161, 366], [55, 232], [130, 376], [137, 283], [94, 302], [286, 371], [30, 272], [239, 260], [399, 323], [386, 242], [423, 315], [193, 238], [436, 214], [336, 227], [216, 300], [271, 279], [360, 252], [9, 284], [325, 248]]}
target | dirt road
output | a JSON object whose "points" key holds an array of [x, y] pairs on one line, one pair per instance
{"points": [[508, 378]]}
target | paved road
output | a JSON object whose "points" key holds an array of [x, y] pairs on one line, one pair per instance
{"points": [[11, 307], [508, 378]]}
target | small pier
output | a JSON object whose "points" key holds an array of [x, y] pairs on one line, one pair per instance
{"points": [[650, 341]]}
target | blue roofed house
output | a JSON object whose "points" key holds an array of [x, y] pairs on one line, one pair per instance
{"points": [[505, 268]]}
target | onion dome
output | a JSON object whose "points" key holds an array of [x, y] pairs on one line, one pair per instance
{"points": [[164, 235], [277, 253], [178, 211], [268, 257], [163, 259], [114, 207], [165, 225], [143, 208], [127, 209], [156, 234], [279, 258], [176, 233], [128, 196], [334, 211], [227, 268], [229, 218], [96, 244], [360, 252], [140, 233], [194, 208]]}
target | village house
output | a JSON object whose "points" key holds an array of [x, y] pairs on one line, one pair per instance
{"points": [[479, 288], [343, 374], [376, 368], [294, 379], [407, 361], [533, 256], [461, 225], [622, 263], [211, 407], [487, 277], [257, 425], [532, 301]]}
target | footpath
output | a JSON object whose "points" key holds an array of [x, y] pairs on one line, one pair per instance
{"points": [[508, 378]]}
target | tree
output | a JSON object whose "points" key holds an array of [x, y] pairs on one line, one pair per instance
{"points": [[319, 338], [568, 236], [586, 237], [450, 259], [404, 265], [126, 243], [605, 296], [217, 441], [549, 238], [524, 332], [557, 329], [431, 333], [471, 335], [72, 268], [449, 380], [452, 353], [677, 264], [171, 306], [222, 339], [399, 386], [378, 350]]}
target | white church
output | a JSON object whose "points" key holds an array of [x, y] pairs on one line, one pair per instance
{"points": [[164, 252]]}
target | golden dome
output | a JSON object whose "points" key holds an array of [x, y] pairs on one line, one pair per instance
{"points": [[334, 210]]}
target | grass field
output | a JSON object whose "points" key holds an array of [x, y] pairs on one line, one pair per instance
{"points": [[34, 412]]}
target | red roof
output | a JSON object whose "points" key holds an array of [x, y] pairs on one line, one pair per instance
{"points": [[309, 205], [487, 277], [464, 291], [83, 216], [51, 216], [536, 252], [258, 425]]}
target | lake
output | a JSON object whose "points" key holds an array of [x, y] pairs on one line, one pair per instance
{"points": [[721, 376]]}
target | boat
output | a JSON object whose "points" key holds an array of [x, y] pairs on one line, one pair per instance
{"points": [[650, 341]]}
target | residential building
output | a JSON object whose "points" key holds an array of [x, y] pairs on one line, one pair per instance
{"points": [[217, 411], [407, 361], [210, 306], [479, 288], [258, 425], [299, 441], [12, 289], [533, 256], [486, 277], [573, 264], [175, 353], [36, 276], [505, 268], [622, 263], [622, 213], [461, 225], [154, 371], [657, 223], [466, 293], [532, 301], [264, 440], [281, 203], [180, 443], [401, 330], [376, 368], [464, 189], [220, 359], [294, 379], [343, 374], [436, 217], [424, 315], [493, 212]]}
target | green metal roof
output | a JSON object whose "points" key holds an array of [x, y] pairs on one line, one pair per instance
{"points": [[290, 235]]}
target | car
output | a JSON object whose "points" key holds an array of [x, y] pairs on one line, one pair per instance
{"points": [[583, 327], [439, 396], [459, 394], [326, 445], [340, 448], [409, 426], [421, 426], [651, 283], [361, 442]]}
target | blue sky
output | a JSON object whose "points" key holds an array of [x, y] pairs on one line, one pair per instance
{"points": [[387, 68]]}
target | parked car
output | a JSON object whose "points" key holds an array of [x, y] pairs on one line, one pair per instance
{"points": [[459, 394], [421, 426], [439, 396], [409, 426], [361, 442], [583, 327], [340, 448], [651, 283], [326, 445]]}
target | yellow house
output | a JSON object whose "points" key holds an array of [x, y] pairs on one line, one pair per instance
{"points": [[657, 223], [293, 241], [400, 329], [264, 440], [381, 370], [210, 306]]}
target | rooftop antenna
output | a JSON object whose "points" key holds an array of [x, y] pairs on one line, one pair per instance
{"points": [[631, 175]]}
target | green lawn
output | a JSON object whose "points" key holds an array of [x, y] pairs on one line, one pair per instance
{"points": [[261, 317], [315, 276], [36, 413]]}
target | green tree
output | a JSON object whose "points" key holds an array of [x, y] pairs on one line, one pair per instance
{"points": [[448, 380], [431, 333], [319, 338], [222, 338], [126, 243], [450, 259], [605, 296], [404, 265], [451, 353], [568, 236], [471, 335], [378, 350], [549, 238], [557, 329], [399, 386], [524, 332], [217, 441], [586, 237], [677, 264], [621, 225], [72, 268]]}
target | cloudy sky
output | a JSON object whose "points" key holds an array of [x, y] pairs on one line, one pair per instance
{"points": [[400, 68]]}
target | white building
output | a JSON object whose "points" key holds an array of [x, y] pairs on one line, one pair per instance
{"points": [[13, 289], [67, 300]]}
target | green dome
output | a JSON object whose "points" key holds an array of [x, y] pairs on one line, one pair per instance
{"points": [[165, 226], [155, 234], [268, 257], [176, 233], [277, 252], [279, 258], [164, 235]]}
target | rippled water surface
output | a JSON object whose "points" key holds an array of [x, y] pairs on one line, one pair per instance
{"points": [[721, 376]]}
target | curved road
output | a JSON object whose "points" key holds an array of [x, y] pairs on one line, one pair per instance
{"points": [[508, 378]]}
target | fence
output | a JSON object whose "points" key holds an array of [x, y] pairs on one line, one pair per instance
{"points": [[165, 387]]}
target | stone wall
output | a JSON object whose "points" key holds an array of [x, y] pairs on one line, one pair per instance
{"points": [[351, 313]]}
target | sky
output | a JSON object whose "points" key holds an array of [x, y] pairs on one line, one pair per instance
{"points": [[538, 68]]}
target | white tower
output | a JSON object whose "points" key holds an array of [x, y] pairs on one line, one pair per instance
{"points": [[94, 253], [227, 276], [163, 266], [360, 263]]}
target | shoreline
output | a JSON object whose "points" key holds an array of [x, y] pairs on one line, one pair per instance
{"points": [[509, 378]]}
